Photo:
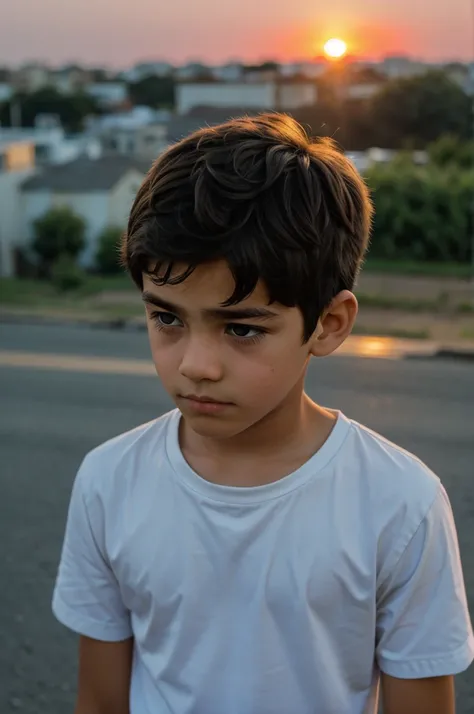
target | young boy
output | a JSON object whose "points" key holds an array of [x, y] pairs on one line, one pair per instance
{"points": [[253, 552]]}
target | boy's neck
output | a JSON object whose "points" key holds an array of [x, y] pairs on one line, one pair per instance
{"points": [[278, 444]]}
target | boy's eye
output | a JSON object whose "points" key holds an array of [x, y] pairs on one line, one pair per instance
{"points": [[243, 331], [166, 319]]}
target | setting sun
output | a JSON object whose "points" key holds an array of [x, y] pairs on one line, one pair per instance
{"points": [[335, 48]]}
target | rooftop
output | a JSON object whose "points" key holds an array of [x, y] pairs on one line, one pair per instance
{"points": [[84, 175]]}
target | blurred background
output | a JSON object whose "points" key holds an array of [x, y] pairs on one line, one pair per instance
{"points": [[89, 97]]}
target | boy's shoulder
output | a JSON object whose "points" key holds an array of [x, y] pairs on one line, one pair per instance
{"points": [[122, 457], [386, 464], [398, 488]]}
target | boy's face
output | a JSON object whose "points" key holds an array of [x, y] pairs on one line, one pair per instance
{"points": [[226, 368]]}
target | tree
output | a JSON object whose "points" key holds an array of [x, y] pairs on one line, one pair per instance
{"points": [[71, 110], [418, 110], [59, 232], [153, 92]]}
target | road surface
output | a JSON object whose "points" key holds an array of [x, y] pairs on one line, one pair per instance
{"points": [[50, 416]]}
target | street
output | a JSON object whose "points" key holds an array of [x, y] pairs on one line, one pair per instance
{"points": [[51, 417]]}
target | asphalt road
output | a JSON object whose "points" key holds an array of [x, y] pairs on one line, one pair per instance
{"points": [[50, 418]]}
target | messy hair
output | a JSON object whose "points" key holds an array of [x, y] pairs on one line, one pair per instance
{"points": [[259, 193]]}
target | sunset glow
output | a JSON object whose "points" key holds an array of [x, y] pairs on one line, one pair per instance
{"points": [[124, 33], [335, 48]]}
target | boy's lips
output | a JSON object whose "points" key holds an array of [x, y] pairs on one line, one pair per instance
{"points": [[205, 404], [203, 399]]}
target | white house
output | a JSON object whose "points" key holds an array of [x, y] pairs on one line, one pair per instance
{"points": [[101, 191], [268, 95], [17, 162]]}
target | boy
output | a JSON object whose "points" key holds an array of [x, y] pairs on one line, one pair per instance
{"points": [[253, 552]]}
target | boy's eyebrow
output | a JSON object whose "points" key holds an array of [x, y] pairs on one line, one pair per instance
{"points": [[247, 313]]}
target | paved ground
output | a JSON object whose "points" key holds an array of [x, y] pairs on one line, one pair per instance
{"points": [[49, 419]]}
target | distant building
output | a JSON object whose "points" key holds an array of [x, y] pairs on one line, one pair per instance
{"points": [[148, 69], [70, 79], [101, 191], [363, 83], [232, 72], [140, 132], [311, 70], [270, 95], [192, 71], [400, 67], [363, 160], [17, 162], [51, 146], [108, 94], [142, 142], [31, 77], [129, 119]]}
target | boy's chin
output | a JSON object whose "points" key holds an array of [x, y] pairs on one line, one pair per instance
{"points": [[214, 427]]}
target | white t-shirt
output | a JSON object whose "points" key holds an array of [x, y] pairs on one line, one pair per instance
{"points": [[287, 597]]}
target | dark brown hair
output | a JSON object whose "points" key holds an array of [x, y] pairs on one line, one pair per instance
{"points": [[259, 193]]}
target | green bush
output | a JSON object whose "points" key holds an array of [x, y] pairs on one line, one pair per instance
{"points": [[58, 232], [422, 213], [108, 251], [66, 274], [451, 151]]}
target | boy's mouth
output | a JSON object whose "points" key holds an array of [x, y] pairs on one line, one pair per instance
{"points": [[204, 404], [203, 399]]}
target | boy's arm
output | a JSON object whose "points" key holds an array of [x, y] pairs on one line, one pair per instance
{"points": [[433, 695], [104, 677], [87, 599], [424, 633]]}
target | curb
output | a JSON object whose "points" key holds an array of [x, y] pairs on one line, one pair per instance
{"points": [[460, 353]]}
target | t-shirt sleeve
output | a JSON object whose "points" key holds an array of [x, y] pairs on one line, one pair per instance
{"points": [[423, 623], [87, 597]]}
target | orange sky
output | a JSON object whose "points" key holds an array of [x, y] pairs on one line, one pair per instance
{"points": [[120, 32]]}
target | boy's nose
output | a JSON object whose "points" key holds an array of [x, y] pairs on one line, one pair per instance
{"points": [[201, 362]]}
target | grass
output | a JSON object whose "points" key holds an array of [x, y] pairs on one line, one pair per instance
{"points": [[421, 269], [397, 333], [467, 334], [34, 293]]}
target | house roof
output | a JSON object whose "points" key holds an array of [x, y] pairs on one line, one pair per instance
{"points": [[84, 175]]}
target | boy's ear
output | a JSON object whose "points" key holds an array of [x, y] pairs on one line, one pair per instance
{"points": [[335, 324]]}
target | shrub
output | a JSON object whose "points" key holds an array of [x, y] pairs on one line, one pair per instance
{"points": [[66, 274], [58, 232], [108, 251], [422, 213]]}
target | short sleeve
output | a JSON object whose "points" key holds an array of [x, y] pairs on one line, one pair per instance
{"points": [[423, 623], [87, 596]]}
